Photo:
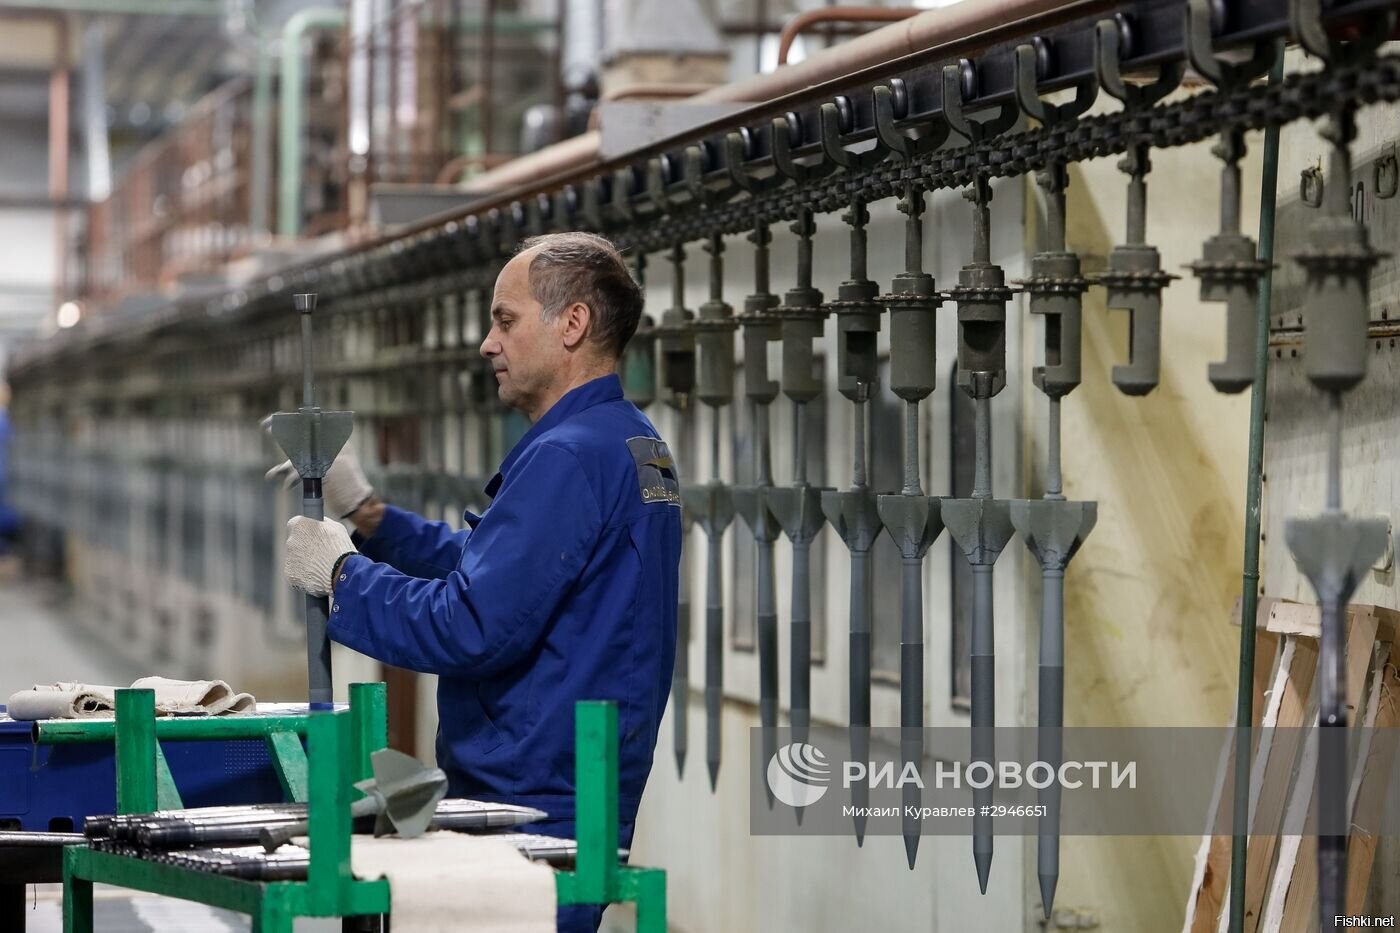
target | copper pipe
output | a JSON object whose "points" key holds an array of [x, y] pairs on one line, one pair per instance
{"points": [[838, 14], [647, 91], [961, 29], [448, 173], [651, 89], [58, 153]]}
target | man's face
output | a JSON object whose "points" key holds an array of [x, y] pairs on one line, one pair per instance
{"points": [[527, 354]]}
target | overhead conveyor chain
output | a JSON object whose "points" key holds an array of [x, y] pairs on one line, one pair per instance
{"points": [[698, 176]]}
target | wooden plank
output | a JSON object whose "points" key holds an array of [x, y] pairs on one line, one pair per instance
{"points": [[1383, 709], [1211, 870], [1288, 707], [1290, 618], [1300, 907]]}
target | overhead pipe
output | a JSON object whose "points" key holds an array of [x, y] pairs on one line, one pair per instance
{"points": [[290, 112], [580, 155], [838, 14]]}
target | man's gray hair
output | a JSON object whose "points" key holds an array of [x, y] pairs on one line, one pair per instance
{"points": [[587, 268]]}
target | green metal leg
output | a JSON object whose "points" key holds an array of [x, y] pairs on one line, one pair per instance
{"points": [[77, 900], [289, 760], [651, 901], [273, 918], [136, 751], [370, 732]]}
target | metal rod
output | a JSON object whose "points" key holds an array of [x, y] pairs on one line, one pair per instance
{"points": [[858, 433], [1249, 583], [911, 693], [1049, 737], [982, 467], [1054, 481], [1334, 451], [983, 662], [318, 643], [912, 486]]}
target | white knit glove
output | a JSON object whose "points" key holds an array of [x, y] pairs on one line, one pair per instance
{"points": [[344, 487], [312, 551]]}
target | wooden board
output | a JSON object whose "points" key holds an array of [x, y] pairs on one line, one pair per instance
{"points": [[1211, 878], [1289, 707], [1300, 908], [1376, 779]]}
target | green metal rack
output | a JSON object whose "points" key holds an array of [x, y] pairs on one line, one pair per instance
{"points": [[340, 745]]}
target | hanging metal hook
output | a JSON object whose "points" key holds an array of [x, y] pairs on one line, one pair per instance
{"points": [[1114, 44], [959, 82], [1305, 16], [785, 134], [738, 147], [1200, 49], [591, 204], [1031, 60], [622, 194], [917, 134], [836, 119], [658, 184]]}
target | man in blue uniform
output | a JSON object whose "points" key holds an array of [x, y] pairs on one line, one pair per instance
{"points": [[564, 589]]}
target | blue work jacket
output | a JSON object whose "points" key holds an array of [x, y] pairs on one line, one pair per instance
{"points": [[564, 589]]}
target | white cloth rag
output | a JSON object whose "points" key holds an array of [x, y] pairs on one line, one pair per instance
{"points": [[62, 701], [446, 882], [88, 701], [195, 697]]}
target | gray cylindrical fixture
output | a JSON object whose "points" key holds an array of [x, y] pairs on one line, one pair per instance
{"points": [[714, 336], [1336, 309], [913, 305], [676, 338], [857, 353], [1055, 288], [639, 365], [981, 296]]}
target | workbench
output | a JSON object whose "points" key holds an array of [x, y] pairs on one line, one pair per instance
{"points": [[340, 744]]}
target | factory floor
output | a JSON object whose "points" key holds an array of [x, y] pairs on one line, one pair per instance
{"points": [[42, 642]]}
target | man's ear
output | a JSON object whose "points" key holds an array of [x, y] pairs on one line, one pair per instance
{"points": [[578, 317]]}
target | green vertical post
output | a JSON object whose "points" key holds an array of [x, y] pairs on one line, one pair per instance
{"points": [[136, 751], [651, 901], [329, 817], [369, 710], [595, 770], [1249, 589], [77, 897]]}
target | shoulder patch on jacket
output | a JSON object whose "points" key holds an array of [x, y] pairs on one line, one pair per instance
{"points": [[656, 470]]}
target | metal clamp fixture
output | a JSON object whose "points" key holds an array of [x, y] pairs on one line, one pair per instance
{"points": [[753, 503], [1052, 527], [1229, 268], [798, 506], [639, 357], [1334, 550], [1134, 278], [710, 504], [980, 525], [910, 517]]}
